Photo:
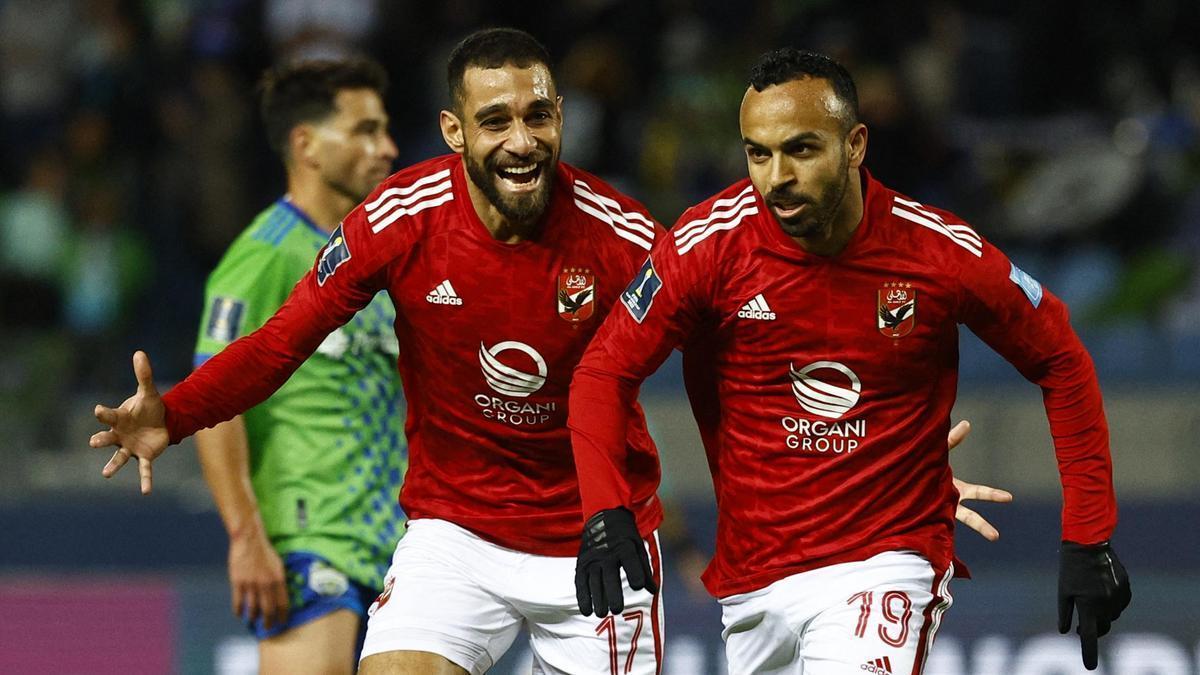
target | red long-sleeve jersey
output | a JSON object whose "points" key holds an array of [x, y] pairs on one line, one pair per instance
{"points": [[823, 386], [489, 334]]}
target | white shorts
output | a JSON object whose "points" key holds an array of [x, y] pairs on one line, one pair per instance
{"points": [[454, 594], [877, 616]]}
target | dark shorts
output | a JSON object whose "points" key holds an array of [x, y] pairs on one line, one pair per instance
{"points": [[316, 588]]}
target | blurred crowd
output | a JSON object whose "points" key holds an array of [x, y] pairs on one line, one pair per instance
{"points": [[131, 153]]}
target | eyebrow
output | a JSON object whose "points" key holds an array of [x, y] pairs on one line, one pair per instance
{"points": [[800, 139], [487, 111], [791, 142]]}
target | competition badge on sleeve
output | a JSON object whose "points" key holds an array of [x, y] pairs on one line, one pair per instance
{"points": [[639, 295], [897, 312], [336, 252], [576, 294], [1028, 285], [225, 319]]}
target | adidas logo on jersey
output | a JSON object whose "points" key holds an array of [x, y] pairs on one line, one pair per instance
{"points": [[757, 309], [443, 295]]}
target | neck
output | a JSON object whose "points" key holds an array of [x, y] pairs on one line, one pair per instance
{"points": [[318, 200], [836, 236], [498, 225]]}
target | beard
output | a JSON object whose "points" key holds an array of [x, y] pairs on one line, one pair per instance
{"points": [[518, 208], [818, 218]]}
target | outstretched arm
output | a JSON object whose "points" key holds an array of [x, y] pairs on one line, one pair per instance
{"points": [[240, 377], [348, 272]]}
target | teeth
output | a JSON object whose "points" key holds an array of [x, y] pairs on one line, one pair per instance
{"points": [[519, 170]]}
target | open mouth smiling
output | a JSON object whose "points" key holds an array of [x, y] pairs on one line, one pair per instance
{"points": [[520, 177]]}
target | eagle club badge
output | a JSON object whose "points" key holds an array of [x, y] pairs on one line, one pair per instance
{"points": [[897, 309], [576, 294]]}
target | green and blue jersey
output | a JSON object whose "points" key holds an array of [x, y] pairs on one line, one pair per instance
{"points": [[327, 451]]}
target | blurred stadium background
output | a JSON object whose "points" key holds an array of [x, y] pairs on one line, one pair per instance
{"points": [[131, 154]]}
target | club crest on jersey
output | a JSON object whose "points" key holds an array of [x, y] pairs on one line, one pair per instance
{"points": [[639, 295], [897, 313], [335, 254], [576, 294]]}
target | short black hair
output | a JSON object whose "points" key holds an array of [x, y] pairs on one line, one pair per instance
{"points": [[788, 63], [492, 48], [305, 91]]}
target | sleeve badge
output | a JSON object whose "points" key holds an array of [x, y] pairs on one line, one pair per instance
{"points": [[335, 254], [638, 297], [225, 319], [1028, 285]]}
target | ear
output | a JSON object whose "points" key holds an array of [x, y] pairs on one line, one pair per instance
{"points": [[857, 141], [452, 131], [302, 144]]}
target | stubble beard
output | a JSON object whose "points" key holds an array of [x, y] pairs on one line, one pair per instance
{"points": [[824, 209], [348, 189]]}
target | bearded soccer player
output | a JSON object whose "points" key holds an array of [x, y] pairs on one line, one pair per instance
{"points": [[501, 262], [818, 311], [310, 508]]}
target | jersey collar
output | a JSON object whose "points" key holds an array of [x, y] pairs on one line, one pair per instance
{"points": [[286, 203]]}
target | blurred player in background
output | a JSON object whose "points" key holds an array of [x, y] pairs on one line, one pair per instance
{"points": [[503, 262], [819, 314], [306, 480]]}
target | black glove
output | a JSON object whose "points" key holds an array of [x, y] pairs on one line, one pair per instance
{"points": [[610, 542], [1092, 580]]}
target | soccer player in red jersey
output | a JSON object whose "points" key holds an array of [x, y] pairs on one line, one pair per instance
{"points": [[818, 311], [501, 262]]}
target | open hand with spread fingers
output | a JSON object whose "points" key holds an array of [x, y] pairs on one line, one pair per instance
{"points": [[971, 491], [138, 427]]}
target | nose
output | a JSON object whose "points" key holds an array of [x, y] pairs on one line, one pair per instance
{"points": [[520, 141], [387, 149], [780, 174]]}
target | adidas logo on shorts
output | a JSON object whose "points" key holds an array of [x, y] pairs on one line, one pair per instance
{"points": [[881, 666], [443, 295], [757, 309]]}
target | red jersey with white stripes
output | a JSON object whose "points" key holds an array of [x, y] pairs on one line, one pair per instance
{"points": [[489, 334], [823, 386]]}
